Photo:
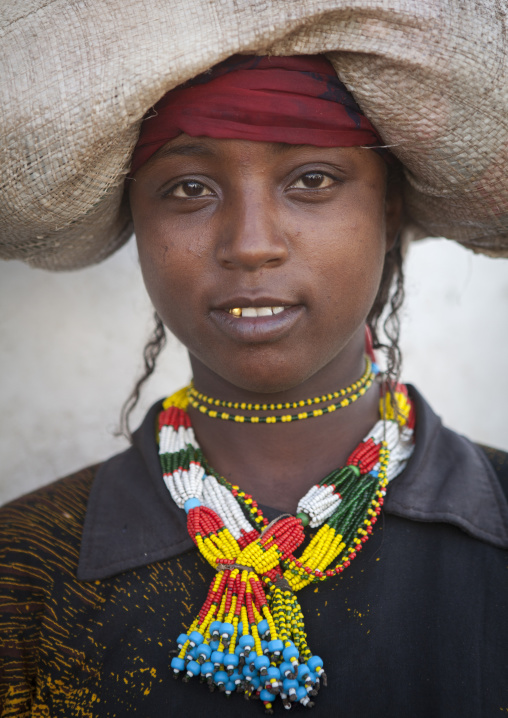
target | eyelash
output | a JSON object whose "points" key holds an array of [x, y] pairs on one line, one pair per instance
{"points": [[316, 173], [171, 191]]}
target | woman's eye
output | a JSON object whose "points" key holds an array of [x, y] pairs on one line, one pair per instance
{"points": [[313, 180], [190, 188]]}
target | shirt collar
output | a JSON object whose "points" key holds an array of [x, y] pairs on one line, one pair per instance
{"points": [[131, 519]]}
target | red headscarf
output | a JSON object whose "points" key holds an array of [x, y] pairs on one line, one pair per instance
{"points": [[298, 100]]}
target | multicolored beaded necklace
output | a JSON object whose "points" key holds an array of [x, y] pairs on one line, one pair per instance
{"points": [[250, 635]]}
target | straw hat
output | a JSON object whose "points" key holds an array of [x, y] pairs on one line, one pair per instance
{"points": [[76, 78]]}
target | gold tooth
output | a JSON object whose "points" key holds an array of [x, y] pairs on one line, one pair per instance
{"points": [[236, 312]]}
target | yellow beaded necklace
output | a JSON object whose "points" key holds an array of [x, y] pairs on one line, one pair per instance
{"points": [[345, 396]]}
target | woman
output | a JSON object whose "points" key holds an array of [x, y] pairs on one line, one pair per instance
{"points": [[268, 241]]}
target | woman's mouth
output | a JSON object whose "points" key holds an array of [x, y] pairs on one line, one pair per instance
{"points": [[257, 324]]}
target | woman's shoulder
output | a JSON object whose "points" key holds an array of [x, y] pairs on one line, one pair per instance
{"points": [[46, 523], [450, 479], [40, 596], [73, 489]]}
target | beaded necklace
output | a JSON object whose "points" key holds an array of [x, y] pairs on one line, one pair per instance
{"points": [[346, 396], [250, 635]]}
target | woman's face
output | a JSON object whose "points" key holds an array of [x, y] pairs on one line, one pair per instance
{"points": [[294, 236]]}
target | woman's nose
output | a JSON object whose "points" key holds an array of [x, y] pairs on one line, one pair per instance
{"points": [[251, 236]]}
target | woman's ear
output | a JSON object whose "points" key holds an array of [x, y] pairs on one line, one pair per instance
{"points": [[394, 207]]}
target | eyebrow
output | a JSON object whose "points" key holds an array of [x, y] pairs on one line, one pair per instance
{"points": [[198, 149], [190, 150], [280, 147]]}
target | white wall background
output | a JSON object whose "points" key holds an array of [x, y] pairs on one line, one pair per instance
{"points": [[71, 346]]}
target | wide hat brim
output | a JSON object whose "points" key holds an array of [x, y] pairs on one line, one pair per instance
{"points": [[78, 77]]}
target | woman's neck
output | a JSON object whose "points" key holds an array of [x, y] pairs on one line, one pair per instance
{"points": [[278, 463]]}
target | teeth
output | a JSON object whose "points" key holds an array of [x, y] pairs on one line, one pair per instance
{"points": [[249, 312], [255, 311]]}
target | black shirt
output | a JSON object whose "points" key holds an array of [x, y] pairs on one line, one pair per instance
{"points": [[98, 576]]}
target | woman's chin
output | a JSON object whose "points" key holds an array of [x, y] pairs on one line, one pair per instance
{"points": [[274, 375], [263, 382]]}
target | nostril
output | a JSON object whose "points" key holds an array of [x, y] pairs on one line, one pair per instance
{"points": [[253, 255], [252, 238]]}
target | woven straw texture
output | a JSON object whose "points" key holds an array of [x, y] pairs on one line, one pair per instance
{"points": [[77, 76]]}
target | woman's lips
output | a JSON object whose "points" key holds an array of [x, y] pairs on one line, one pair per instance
{"points": [[257, 324]]}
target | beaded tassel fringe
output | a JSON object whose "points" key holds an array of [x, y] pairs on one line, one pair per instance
{"points": [[249, 636]]}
